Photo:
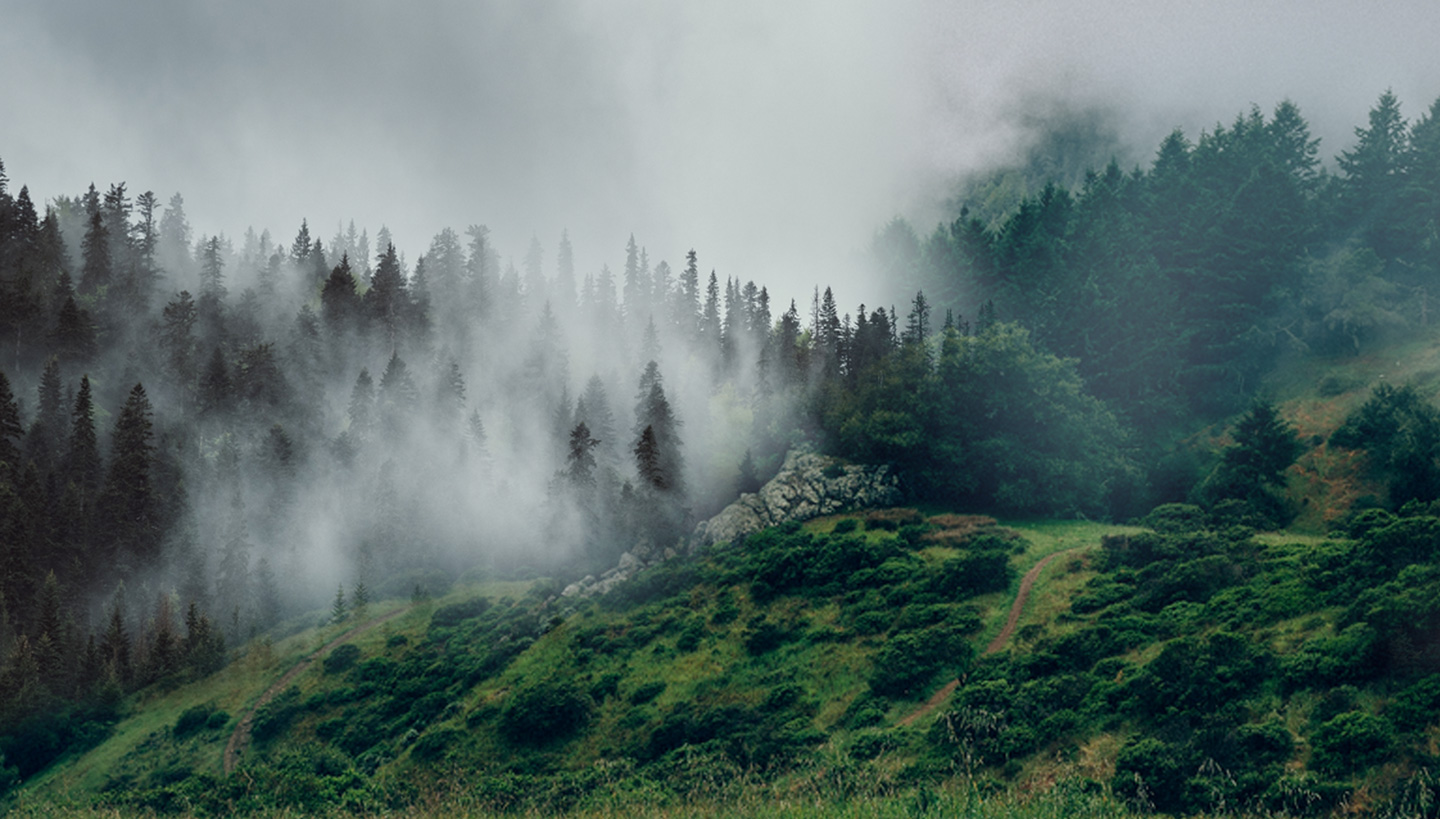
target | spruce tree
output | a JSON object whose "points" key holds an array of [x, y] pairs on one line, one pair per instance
{"points": [[129, 506], [338, 609], [11, 429]]}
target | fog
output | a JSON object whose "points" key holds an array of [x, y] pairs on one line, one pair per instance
{"points": [[774, 138]]}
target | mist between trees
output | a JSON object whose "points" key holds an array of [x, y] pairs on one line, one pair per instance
{"points": [[221, 432]]}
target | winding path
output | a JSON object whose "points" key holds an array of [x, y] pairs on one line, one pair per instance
{"points": [[240, 737], [1026, 584]]}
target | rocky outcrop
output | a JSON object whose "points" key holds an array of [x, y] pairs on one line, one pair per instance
{"points": [[808, 485]]}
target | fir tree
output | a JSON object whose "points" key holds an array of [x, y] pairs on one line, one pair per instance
{"points": [[338, 609]]}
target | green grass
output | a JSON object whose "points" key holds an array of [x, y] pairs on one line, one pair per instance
{"points": [[598, 770]]}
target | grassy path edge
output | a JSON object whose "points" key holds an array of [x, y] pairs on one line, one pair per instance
{"points": [[1026, 584], [240, 737]]}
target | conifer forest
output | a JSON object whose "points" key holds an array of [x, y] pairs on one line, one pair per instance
{"points": [[211, 442]]}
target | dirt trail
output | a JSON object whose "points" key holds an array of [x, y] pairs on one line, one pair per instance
{"points": [[1026, 583], [240, 738]]}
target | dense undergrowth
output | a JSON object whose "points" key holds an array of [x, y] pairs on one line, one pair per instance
{"points": [[1196, 667]]}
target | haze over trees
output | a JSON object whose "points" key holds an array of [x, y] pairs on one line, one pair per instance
{"points": [[234, 429]]}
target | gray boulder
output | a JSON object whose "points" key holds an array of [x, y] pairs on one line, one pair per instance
{"points": [[808, 485]]}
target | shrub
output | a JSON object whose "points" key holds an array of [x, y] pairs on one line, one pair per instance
{"points": [[845, 526], [341, 659], [647, 692], [1175, 518], [765, 636], [1349, 656], [1415, 708], [193, 720], [1148, 770], [457, 613], [543, 713], [274, 716], [1350, 742], [910, 660], [690, 637], [434, 744]]}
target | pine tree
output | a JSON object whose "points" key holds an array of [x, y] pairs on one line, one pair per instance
{"points": [[82, 460], [339, 303], [115, 644], [1374, 177], [46, 441], [129, 505], [362, 406], [397, 398], [580, 458], [338, 609], [385, 301], [11, 430], [177, 338], [360, 599], [216, 392], [95, 273], [74, 333]]}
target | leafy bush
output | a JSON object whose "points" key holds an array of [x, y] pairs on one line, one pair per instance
{"points": [[457, 613], [1152, 772], [691, 635], [647, 692], [1324, 661], [275, 716], [1175, 518], [192, 720], [910, 660], [1418, 706], [1401, 432], [764, 636], [845, 526], [1351, 742], [434, 744], [544, 712], [341, 659]]}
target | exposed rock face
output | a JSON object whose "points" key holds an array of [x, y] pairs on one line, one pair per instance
{"points": [[808, 485]]}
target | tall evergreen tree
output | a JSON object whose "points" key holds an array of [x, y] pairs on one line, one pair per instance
{"points": [[129, 505]]}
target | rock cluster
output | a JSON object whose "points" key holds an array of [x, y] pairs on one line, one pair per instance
{"points": [[808, 485]]}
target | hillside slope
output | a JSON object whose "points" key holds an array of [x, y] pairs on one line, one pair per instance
{"points": [[1189, 664]]}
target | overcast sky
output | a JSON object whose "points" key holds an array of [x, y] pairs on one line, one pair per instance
{"points": [[773, 137]]}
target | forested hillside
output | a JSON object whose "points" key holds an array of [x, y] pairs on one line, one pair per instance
{"points": [[204, 436]]}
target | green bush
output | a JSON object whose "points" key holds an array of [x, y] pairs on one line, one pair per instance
{"points": [[275, 716], [457, 613], [341, 659], [434, 744], [1351, 742], [647, 692], [1417, 707], [544, 712], [764, 636], [1152, 772], [192, 720], [1175, 518], [910, 660], [845, 526]]}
